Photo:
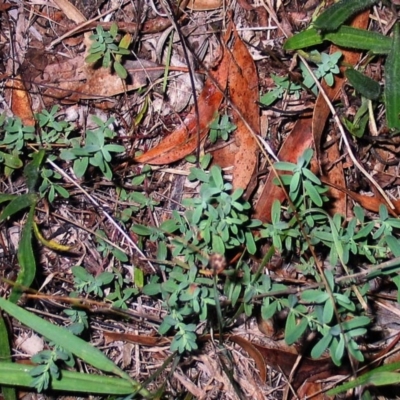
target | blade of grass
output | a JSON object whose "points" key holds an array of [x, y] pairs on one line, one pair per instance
{"points": [[7, 197], [363, 84], [18, 204], [31, 171], [26, 258], [392, 82], [334, 16], [345, 36], [14, 374], [379, 377], [9, 393], [68, 341]]}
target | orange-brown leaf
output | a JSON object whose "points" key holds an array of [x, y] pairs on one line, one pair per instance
{"points": [[243, 91], [137, 339], [184, 140], [294, 146], [20, 101]]}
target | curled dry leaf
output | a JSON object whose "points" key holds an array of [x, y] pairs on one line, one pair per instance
{"points": [[184, 140], [284, 360], [243, 90], [296, 143], [74, 80], [136, 339], [204, 5], [20, 100]]}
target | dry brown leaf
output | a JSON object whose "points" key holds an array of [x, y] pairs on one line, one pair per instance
{"points": [[184, 140], [70, 11], [296, 143], [20, 100], [6, 6], [75, 80], [253, 352], [136, 339], [243, 91], [371, 203], [308, 369], [204, 5]]}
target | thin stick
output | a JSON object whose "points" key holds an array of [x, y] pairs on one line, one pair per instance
{"points": [[105, 213]]}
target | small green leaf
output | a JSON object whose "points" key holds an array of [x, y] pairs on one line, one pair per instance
{"points": [[321, 346], [120, 70], [152, 289], [356, 322], [294, 331], [363, 84], [17, 204], [313, 193], [269, 311], [393, 244], [285, 166], [92, 58], [138, 277], [303, 39], [26, 258], [216, 174], [81, 274]]}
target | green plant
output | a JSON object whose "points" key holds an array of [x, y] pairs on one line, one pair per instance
{"points": [[105, 248], [221, 128], [85, 282], [214, 223], [327, 66], [67, 380], [283, 85], [48, 368], [79, 320], [52, 128], [95, 151], [104, 48], [16, 134], [193, 284], [49, 185]]}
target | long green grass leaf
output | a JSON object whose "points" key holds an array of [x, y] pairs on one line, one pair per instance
{"points": [[18, 204], [392, 82], [9, 393], [363, 84], [334, 16], [361, 39], [67, 340], [13, 374], [310, 37], [7, 197], [379, 377], [345, 36], [31, 171], [26, 258]]}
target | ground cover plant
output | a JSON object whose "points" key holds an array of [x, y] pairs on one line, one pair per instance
{"points": [[108, 254]]}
